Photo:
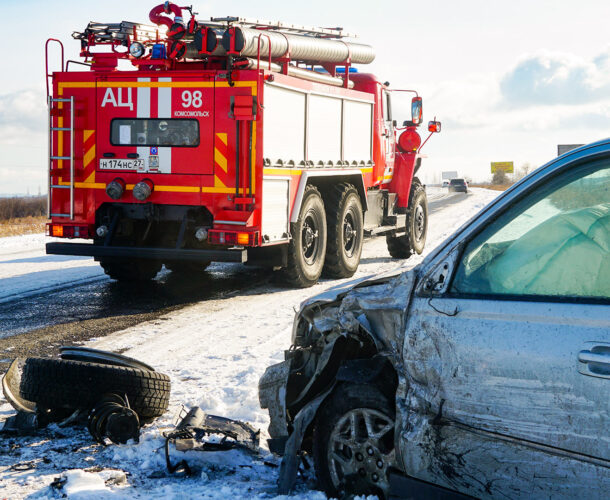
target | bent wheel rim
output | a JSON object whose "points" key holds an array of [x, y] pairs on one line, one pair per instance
{"points": [[360, 451]]}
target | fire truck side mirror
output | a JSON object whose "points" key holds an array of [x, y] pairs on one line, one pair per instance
{"points": [[434, 126], [416, 110]]}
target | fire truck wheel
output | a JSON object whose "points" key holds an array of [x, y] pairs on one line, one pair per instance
{"points": [[59, 383], [186, 267], [307, 247], [345, 231], [414, 239], [131, 270]]}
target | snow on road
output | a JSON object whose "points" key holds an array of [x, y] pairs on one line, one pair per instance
{"points": [[26, 270], [215, 352]]}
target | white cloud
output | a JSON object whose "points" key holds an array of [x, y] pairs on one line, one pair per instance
{"points": [[22, 117], [550, 78]]}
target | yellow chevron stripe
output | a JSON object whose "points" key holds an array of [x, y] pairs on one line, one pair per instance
{"points": [[223, 137], [89, 156], [220, 160], [87, 134], [219, 184]]}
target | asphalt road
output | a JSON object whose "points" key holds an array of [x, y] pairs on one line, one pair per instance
{"points": [[38, 325]]}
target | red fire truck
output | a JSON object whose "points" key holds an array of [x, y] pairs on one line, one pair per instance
{"points": [[228, 140]]}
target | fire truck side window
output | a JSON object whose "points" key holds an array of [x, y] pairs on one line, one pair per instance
{"points": [[387, 107], [154, 132]]}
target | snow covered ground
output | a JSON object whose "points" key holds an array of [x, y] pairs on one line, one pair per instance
{"points": [[214, 351], [26, 270]]}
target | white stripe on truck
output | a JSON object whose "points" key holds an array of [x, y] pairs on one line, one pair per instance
{"points": [[165, 111], [143, 111]]}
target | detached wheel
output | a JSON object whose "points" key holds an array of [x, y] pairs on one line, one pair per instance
{"points": [[416, 230], [187, 267], [131, 270], [345, 232], [307, 248], [58, 383], [353, 442]]}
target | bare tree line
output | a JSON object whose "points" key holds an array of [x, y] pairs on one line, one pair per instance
{"points": [[22, 206]]}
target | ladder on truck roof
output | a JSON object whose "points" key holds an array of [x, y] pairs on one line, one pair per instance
{"points": [[282, 27], [59, 157]]}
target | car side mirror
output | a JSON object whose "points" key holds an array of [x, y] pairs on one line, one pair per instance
{"points": [[416, 110], [434, 126]]}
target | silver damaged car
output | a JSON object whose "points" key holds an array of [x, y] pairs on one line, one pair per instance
{"points": [[482, 372]]}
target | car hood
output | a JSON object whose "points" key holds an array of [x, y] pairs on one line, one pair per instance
{"points": [[376, 304], [339, 291]]}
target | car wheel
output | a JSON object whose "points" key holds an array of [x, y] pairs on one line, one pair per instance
{"points": [[345, 232], [307, 248], [416, 230], [353, 442], [131, 269], [59, 383]]}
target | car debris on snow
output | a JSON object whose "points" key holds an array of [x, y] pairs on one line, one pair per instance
{"points": [[114, 394], [201, 432]]}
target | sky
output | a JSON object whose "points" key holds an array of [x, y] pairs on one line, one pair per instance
{"points": [[509, 80]]}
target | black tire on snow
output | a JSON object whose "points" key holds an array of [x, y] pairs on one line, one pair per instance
{"points": [[187, 267], [414, 239], [307, 248], [58, 383], [345, 226], [131, 270], [346, 398]]}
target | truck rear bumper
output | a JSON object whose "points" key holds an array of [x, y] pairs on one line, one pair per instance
{"points": [[162, 254]]}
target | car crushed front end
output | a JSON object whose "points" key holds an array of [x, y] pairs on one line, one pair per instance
{"points": [[348, 335]]}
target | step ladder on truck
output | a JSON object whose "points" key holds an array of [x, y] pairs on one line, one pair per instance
{"points": [[229, 140]]}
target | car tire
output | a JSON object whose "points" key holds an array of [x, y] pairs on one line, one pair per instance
{"points": [[58, 384], [347, 460], [307, 248], [131, 270], [345, 226], [416, 226]]}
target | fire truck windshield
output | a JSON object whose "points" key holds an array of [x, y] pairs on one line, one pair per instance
{"points": [[154, 132]]}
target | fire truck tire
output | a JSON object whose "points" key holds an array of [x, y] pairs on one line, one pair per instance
{"points": [[186, 267], [307, 248], [131, 270], [414, 239], [345, 226], [59, 383]]}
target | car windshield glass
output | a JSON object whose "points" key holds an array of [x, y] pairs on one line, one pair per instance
{"points": [[555, 242]]}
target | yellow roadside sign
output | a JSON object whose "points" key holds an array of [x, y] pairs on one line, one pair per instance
{"points": [[506, 166]]}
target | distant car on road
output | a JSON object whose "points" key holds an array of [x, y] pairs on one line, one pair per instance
{"points": [[458, 185], [445, 184], [484, 370]]}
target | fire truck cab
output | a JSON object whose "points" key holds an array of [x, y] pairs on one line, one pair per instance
{"points": [[229, 140]]}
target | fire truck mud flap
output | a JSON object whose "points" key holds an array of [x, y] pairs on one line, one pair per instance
{"points": [[86, 249]]}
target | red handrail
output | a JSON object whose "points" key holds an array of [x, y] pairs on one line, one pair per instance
{"points": [[258, 51], [46, 59]]}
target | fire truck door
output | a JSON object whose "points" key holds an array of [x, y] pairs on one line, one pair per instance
{"points": [[389, 140], [156, 124]]}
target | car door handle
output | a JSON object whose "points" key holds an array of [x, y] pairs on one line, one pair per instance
{"points": [[592, 357]]}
